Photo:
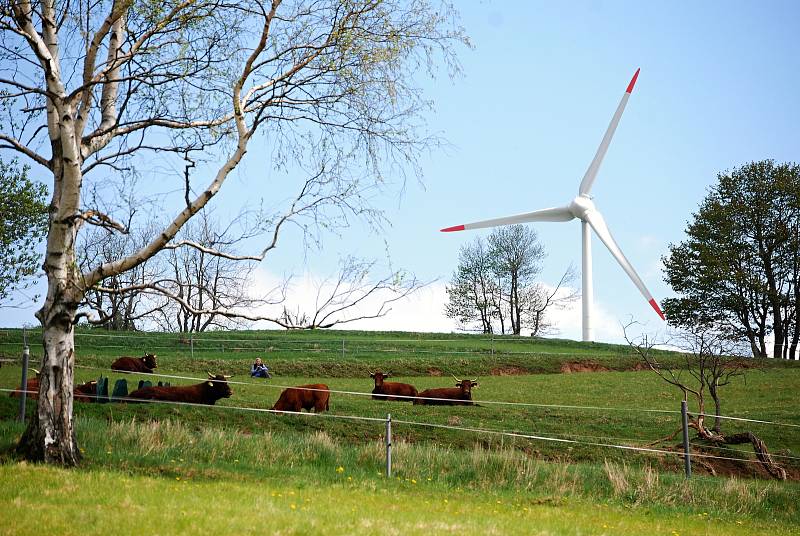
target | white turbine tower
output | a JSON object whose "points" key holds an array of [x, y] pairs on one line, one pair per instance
{"points": [[583, 208]]}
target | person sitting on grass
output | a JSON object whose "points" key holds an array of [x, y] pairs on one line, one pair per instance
{"points": [[259, 370]]}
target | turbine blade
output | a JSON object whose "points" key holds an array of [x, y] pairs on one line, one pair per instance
{"points": [[591, 173], [597, 222], [546, 214]]}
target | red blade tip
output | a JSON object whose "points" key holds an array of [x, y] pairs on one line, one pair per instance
{"points": [[633, 82], [657, 309], [453, 228]]}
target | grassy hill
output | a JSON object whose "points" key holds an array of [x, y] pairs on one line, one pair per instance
{"points": [[233, 454]]}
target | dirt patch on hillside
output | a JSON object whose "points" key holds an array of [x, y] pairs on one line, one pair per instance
{"points": [[507, 371], [434, 372], [582, 366], [639, 366]]}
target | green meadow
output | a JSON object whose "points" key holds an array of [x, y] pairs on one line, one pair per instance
{"points": [[156, 468]]}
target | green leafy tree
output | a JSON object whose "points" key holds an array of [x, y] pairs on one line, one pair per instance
{"points": [[23, 224], [737, 270]]}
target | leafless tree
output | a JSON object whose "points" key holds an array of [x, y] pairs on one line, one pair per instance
{"points": [[540, 300], [494, 284], [355, 293], [119, 310], [710, 361], [91, 91], [207, 284]]}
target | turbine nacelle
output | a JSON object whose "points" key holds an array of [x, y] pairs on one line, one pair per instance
{"points": [[580, 206]]}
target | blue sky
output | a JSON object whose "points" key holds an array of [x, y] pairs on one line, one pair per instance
{"points": [[718, 88]]}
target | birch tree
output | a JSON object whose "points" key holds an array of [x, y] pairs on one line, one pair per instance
{"points": [[327, 89]]}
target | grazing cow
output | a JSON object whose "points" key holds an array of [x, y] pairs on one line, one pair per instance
{"points": [[390, 390], [208, 392], [146, 363], [305, 397], [460, 395]]}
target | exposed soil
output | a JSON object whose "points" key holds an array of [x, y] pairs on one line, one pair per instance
{"points": [[741, 469], [434, 372], [582, 366]]}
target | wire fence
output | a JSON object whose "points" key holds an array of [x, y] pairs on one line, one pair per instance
{"points": [[575, 439], [275, 386], [473, 430]]}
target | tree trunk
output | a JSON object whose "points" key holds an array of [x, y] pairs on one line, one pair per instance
{"points": [[50, 436], [775, 470]]}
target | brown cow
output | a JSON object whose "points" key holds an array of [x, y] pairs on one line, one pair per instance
{"points": [[82, 393], [31, 386], [305, 397], [208, 392], [460, 395], [146, 363], [390, 390], [86, 392]]}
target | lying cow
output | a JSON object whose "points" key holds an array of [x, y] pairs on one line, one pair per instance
{"points": [[86, 392], [208, 392], [146, 364], [305, 397], [31, 386], [390, 390], [460, 395]]}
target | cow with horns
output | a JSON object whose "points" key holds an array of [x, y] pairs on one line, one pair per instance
{"points": [[391, 390], [207, 392], [305, 397], [460, 395], [146, 363]]}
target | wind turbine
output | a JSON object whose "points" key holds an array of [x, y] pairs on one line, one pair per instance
{"points": [[583, 208]]}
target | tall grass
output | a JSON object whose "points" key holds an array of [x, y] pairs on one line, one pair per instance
{"points": [[176, 450]]}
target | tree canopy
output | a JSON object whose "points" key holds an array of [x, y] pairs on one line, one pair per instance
{"points": [[23, 225], [739, 267]]}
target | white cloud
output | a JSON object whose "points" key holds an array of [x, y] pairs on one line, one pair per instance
{"points": [[423, 311], [569, 322]]}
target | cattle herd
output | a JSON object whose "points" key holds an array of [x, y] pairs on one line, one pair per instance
{"points": [[303, 397]]}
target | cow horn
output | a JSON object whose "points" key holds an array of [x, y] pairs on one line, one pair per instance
{"points": [[227, 377], [456, 379], [35, 371], [210, 375]]}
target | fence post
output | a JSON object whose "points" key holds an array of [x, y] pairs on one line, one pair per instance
{"points": [[26, 353], [687, 461], [389, 445]]}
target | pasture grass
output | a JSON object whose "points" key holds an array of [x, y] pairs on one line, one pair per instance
{"points": [[73, 503], [170, 477], [610, 412], [154, 468], [345, 353]]}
